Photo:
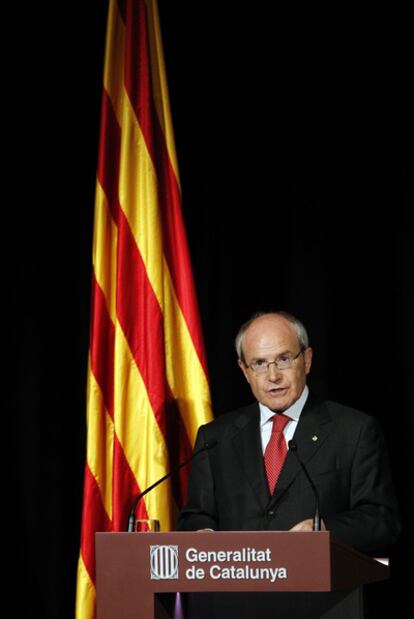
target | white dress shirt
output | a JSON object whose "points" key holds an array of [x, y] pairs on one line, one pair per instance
{"points": [[293, 412]]}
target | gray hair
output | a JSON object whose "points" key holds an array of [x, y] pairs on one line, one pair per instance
{"points": [[297, 325]]}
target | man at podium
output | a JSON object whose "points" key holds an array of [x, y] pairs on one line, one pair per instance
{"points": [[273, 464]]}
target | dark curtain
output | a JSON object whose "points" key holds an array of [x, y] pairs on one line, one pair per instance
{"points": [[293, 138]]}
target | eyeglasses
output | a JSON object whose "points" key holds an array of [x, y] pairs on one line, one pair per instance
{"points": [[284, 362]]}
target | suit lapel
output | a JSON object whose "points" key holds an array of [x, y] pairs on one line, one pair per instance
{"points": [[248, 446], [312, 430]]}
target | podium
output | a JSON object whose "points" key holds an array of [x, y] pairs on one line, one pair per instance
{"points": [[291, 574]]}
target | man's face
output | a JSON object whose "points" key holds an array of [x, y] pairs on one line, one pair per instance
{"points": [[267, 338]]}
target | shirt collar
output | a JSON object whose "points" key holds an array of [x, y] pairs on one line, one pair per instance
{"points": [[293, 411]]}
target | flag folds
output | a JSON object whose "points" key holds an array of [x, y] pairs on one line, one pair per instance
{"points": [[147, 378]]}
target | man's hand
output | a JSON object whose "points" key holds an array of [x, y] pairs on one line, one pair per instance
{"points": [[307, 525]]}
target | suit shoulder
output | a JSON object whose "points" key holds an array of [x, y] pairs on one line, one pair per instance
{"points": [[348, 414], [230, 419]]}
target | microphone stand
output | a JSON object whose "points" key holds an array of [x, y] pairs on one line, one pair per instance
{"points": [[131, 518], [317, 517]]}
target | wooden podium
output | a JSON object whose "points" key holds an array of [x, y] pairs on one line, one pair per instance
{"points": [[265, 574]]}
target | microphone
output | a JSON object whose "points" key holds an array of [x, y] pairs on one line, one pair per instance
{"points": [[317, 518], [207, 445]]}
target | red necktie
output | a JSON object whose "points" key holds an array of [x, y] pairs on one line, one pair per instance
{"points": [[276, 450]]}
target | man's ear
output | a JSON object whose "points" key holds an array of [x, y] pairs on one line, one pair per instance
{"points": [[308, 356], [243, 369]]}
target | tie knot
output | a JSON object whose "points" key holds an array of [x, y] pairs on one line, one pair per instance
{"points": [[279, 422]]}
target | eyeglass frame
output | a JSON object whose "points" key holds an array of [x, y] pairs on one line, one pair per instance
{"points": [[275, 363]]}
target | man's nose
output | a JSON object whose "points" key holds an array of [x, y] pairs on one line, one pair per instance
{"points": [[273, 372]]}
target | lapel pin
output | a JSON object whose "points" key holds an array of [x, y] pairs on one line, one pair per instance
{"points": [[314, 438]]}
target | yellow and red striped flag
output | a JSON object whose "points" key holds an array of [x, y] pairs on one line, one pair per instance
{"points": [[148, 390]]}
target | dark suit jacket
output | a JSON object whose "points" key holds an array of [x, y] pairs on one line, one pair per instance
{"points": [[344, 452]]}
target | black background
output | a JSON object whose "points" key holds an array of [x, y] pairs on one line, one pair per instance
{"points": [[293, 136]]}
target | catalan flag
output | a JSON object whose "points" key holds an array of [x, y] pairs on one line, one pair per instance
{"points": [[148, 390]]}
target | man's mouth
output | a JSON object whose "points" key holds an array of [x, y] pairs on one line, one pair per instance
{"points": [[277, 390]]}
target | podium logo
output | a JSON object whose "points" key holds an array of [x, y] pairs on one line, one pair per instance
{"points": [[164, 562]]}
